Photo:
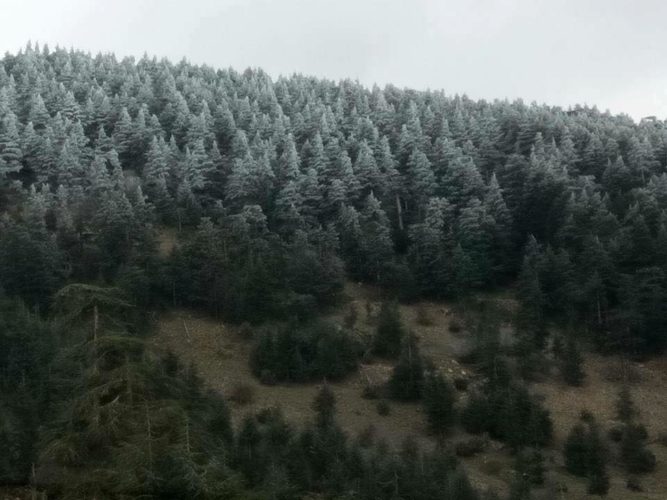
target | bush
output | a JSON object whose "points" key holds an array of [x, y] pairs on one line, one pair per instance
{"points": [[371, 391], [491, 468], [662, 438], [530, 465], [242, 394], [269, 414], [531, 366], [633, 484], [615, 433], [383, 408], [625, 407], [470, 447], [267, 377], [351, 317], [477, 416], [598, 484], [368, 306], [637, 459], [246, 331], [454, 326], [423, 317], [305, 353], [643, 462], [461, 384], [366, 437], [557, 347]]}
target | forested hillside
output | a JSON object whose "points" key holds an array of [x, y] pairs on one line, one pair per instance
{"points": [[280, 190]]}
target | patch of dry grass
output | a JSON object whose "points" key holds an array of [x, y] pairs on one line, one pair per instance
{"points": [[167, 239], [221, 354]]}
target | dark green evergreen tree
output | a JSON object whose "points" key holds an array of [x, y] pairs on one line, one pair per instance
{"points": [[407, 378], [389, 332], [571, 364]]}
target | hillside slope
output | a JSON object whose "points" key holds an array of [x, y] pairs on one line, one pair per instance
{"points": [[221, 354]]}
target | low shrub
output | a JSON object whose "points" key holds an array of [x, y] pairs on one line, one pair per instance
{"points": [[351, 317], [470, 447], [242, 394], [491, 467], [267, 377], [662, 438], [246, 331], [372, 391], [461, 383], [633, 484], [455, 326], [615, 433], [423, 317], [366, 437], [383, 408]]}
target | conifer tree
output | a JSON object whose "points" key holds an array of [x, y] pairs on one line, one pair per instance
{"points": [[325, 406], [38, 115], [156, 170], [390, 331], [501, 243], [438, 398], [423, 184], [311, 193], [366, 170], [33, 153], [637, 459], [289, 165], [10, 145], [585, 456], [430, 252], [576, 451], [530, 290], [407, 377], [571, 364], [625, 406], [475, 229], [123, 135], [462, 181]]}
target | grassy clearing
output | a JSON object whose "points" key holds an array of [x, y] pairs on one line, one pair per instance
{"points": [[221, 354]]}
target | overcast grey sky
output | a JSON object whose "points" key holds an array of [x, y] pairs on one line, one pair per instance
{"points": [[611, 53]]}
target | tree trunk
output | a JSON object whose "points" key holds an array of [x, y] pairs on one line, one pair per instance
{"points": [[399, 212], [150, 442], [96, 321]]}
